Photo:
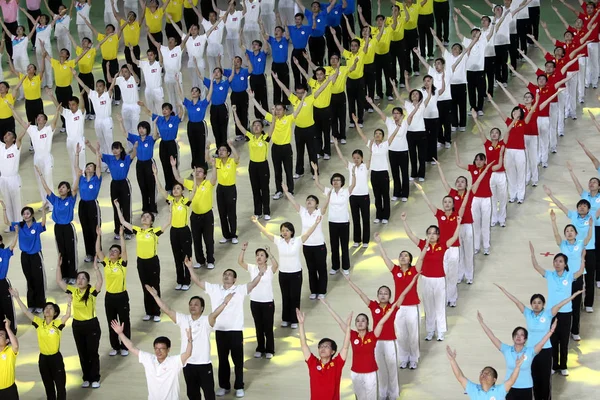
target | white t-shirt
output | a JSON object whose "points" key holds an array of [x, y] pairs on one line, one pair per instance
{"points": [[418, 122], [431, 111], [83, 10], [152, 74], [263, 292], [162, 379], [476, 57], [74, 123], [41, 139], [216, 36], [523, 14], [42, 34], [201, 330], [289, 254], [267, 7], [9, 160], [459, 76], [338, 205], [102, 104], [232, 317], [233, 25], [20, 47], [361, 188], [437, 82], [171, 59], [129, 90], [195, 48], [252, 12], [490, 51], [400, 143], [61, 27], [502, 35], [379, 155], [308, 220]]}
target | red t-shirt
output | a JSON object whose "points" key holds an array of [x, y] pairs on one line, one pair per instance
{"points": [[560, 63], [325, 379], [586, 23], [363, 353], [578, 35], [467, 217], [401, 281], [492, 153], [484, 189], [447, 225], [531, 129], [552, 79], [545, 93], [377, 312], [516, 140], [433, 263], [569, 47]]}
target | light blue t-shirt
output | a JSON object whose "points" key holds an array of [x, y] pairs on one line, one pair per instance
{"points": [[594, 202], [538, 326], [559, 288], [574, 252], [524, 379], [583, 224], [476, 392]]}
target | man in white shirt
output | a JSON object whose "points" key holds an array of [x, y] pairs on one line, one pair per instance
{"points": [[229, 326], [128, 82], [152, 71], [214, 46], [198, 372], [10, 181], [170, 57], [162, 370], [475, 67], [232, 39]]}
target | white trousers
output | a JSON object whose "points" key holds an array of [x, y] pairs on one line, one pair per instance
{"points": [[571, 100], [10, 190], [109, 18], [532, 150], [72, 151], [48, 78], [130, 5], [232, 47], [543, 141], [581, 79], [104, 133], [365, 385], [451, 260], [387, 374], [516, 168], [131, 117], [171, 83], [434, 303], [465, 260], [213, 51], [45, 163], [553, 131], [406, 325], [269, 23], [251, 32], [481, 209], [63, 42], [154, 99], [83, 31], [287, 11], [562, 101], [499, 197], [593, 65]]}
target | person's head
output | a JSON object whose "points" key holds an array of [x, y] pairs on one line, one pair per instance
{"points": [[461, 183], [570, 232], [337, 180], [90, 169], [408, 3], [549, 67], [167, 109], [583, 207], [279, 32], [528, 98], [507, 3], [380, 20], [315, 7], [287, 230], [31, 70], [448, 203], [114, 253], [151, 53], [378, 135], [415, 96], [4, 340], [479, 160], [405, 258], [100, 86], [44, 19], [74, 104], [195, 92], [224, 150], [366, 32], [384, 294], [578, 23], [83, 281], [162, 346], [488, 376], [64, 55], [560, 263], [327, 348], [41, 120], [361, 322], [519, 336], [110, 28], [486, 22], [257, 127], [237, 62], [457, 49], [537, 302], [433, 234], [594, 185], [320, 74], [177, 190], [428, 83], [51, 310], [229, 277], [495, 134], [27, 214], [9, 138], [261, 256], [354, 45], [397, 113], [86, 43], [279, 110], [298, 18], [196, 306], [147, 219], [568, 35], [194, 29], [300, 89], [20, 30], [498, 11], [125, 72], [312, 202], [4, 86], [118, 150], [439, 64], [542, 80], [559, 52], [218, 73], [200, 172], [357, 157], [334, 60], [143, 129], [64, 189], [256, 45], [590, 8], [131, 17], [212, 17], [517, 113], [153, 5]]}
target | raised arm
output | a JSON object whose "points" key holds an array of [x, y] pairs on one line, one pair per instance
{"points": [[512, 298], [212, 317], [262, 229], [497, 108], [534, 261], [460, 377], [457, 158], [15, 294], [290, 197], [59, 279], [339, 152], [377, 109], [302, 334], [443, 177], [489, 332], [433, 208], [557, 237], [310, 230], [118, 328], [540, 345], [358, 291], [515, 374], [574, 178], [555, 200], [409, 231], [335, 315]]}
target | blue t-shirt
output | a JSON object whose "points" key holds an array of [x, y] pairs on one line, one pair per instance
{"points": [[63, 209], [334, 17], [524, 380], [279, 49], [594, 203], [258, 61], [197, 111], [5, 255], [119, 169], [538, 326], [220, 91], [145, 150], [239, 83], [559, 288], [321, 17], [88, 190], [29, 236], [350, 7], [583, 224], [476, 392], [574, 252], [168, 129], [300, 36]]}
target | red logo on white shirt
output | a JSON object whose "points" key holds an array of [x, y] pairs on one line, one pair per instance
{"points": [[173, 55], [43, 136], [75, 118], [130, 86], [197, 44], [10, 155], [102, 102], [153, 71]]}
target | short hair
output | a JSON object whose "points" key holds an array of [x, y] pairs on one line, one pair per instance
{"points": [[338, 175], [289, 226], [75, 99], [197, 298], [231, 270], [538, 296], [164, 340], [330, 341], [584, 202], [520, 328]]}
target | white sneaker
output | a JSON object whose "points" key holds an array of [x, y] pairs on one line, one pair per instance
{"points": [[343, 141], [376, 221], [239, 393], [365, 245], [480, 113], [178, 287], [294, 325], [448, 145], [404, 364], [384, 221], [85, 384], [360, 126], [453, 129], [268, 356], [223, 241], [356, 244], [486, 252], [112, 353], [221, 392], [469, 281], [421, 179], [297, 176], [326, 157], [410, 178], [394, 198], [351, 125], [429, 336], [413, 365], [284, 324], [210, 266], [564, 372], [124, 353], [370, 110], [197, 266], [258, 354], [321, 296], [404, 199], [440, 337], [267, 217], [156, 318], [185, 287], [598, 284], [146, 318], [277, 196], [390, 98], [376, 98], [96, 385], [312, 296], [462, 129], [346, 272], [234, 241], [332, 272], [589, 310], [576, 338]]}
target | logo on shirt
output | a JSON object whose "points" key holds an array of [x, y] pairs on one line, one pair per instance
{"points": [[234, 19], [170, 125], [456, 198], [576, 248], [122, 165], [220, 87], [4, 358], [399, 274], [145, 144], [378, 311], [0, 259], [198, 109], [281, 46], [565, 283], [51, 331], [75, 118], [302, 32], [356, 341], [260, 144], [242, 78], [66, 203], [91, 186], [174, 55], [32, 231], [475, 172], [319, 20], [197, 44], [129, 86], [259, 59], [102, 102], [443, 218], [43, 136], [115, 269], [147, 236], [152, 71], [318, 366], [542, 320], [490, 148]]}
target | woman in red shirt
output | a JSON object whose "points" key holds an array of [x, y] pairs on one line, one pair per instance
{"points": [[433, 281]]}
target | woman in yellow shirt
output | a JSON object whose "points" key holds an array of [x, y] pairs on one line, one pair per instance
{"points": [[31, 83], [49, 332], [154, 16], [226, 190], [7, 119], [131, 30], [9, 349], [174, 10], [86, 328]]}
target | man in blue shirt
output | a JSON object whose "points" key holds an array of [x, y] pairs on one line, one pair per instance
{"points": [[219, 115], [7, 310], [317, 18], [348, 25], [299, 35], [278, 45], [334, 19], [257, 62], [238, 81]]}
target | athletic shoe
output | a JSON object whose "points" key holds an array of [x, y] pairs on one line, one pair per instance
{"points": [[88, 259], [448, 145], [267, 217], [453, 129], [277, 196], [346, 272], [326, 157], [127, 236], [294, 325], [486, 252], [564, 372], [268, 356], [178, 287], [239, 393], [589, 310], [365, 245], [72, 281], [223, 241], [469, 281], [117, 237], [403, 364], [351, 125], [598, 284], [124, 353], [429, 336], [40, 310], [156, 318], [440, 337], [360, 125], [462, 129], [92, 117], [333, 272], [221, 392], [421, 179], [146, 318], [405, 199], [402, 85], [312, 296], [376, 97], [384, 221], [343, 141], [297, 176], [417, 73], [411, 178], [234, 241], [394, 198], [197, 266], [433, 163], [210, 266], [503, 224], [553, 372], [476, 251], [85, 384], [390, 98], [284, 324], [446, 43], [258, 354], [370, 110], [376, 221], [452, 304], [112, 353], [576, 338], [480, 113], [185, 287], [62, 130], [356, 244], [413, 365], [321, 296], [440, 145]]}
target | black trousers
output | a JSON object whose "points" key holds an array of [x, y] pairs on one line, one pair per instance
{"points": [[66, 245], [54, 5], [54, 377], [417, 150], [316, 47], [240, 101], [522, 31], [87, 339], [597, 233], [33, 108], [181, 245], [203, 228], [260, 176], [298, 77], [476, 89], [397, 57], [459, 104], [196, 132], [560, 341], [227, 205], [290, 284], [490, 74], [113, 68], [121, 190], [514, 50], [206, 6], [322, 118], [34, 14], [541, 372], [305, 138], [88, 79], [576, 303], [166, 150], [432, 127], [149, 273], [230, 342], [331, 46], [520, 394], [89, 218], [355, 89], [171, 32], [282, 156], [359, 207], [219, 120], [7, 308], [445, 121], [339, 236], [137, 53], [345, 32], [264, 316], [199, 376], [35, 274], [382, 69], [258, 84], [145, 178], [116, 306], [590, 278], [366, 11], [10, 393], [190, 18], [399, 167], [283, 74], [369, 76], [158, 36], [425, 24], [316, 262], [7, 125], [534, 24], [337, 110], [441, 12], [12, 28], [63, 95], [501, 62], [411, 40], [380, 181]]}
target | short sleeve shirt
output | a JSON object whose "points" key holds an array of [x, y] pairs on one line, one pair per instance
{"points": [[162, 379], [401, 281], [524, 379], [559, 288], [476, 392], [433, 263], [325, 379], [363, 352], [377, 312], [538, 326], [447, 224]]}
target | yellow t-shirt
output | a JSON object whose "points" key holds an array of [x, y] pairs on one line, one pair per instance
{"points": [[426, 8], [86, 63], [203, 199], [8, 362], [226, 173], [154, 19], [147, 241], [110, 48], [62, 72], [398, 33], [179, 211], [175, 10], [32, 88], [359, 71], [324, 99], [282, 134], [413, 15], [383, 44], [48, 335], [369, 57], [305, 118], [131, 33], [339, 86], [186, 3], [115, 275], [258, 147], [83, 311], [5, 111]]}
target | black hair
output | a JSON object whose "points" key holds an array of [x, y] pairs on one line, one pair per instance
{"points": [[152, 217], [124, 66], [385, 287], [86, 295], [565, 259], [437, 229], [68, 52], [584, 202], [572, 226], [488, 19], [75, 99], [379, 130], [359, 152], [178, 184], [162, 340], [289, 226], [366, 317], [197, 298], [116, 246], [259, 250], [101, 81], [493, 371], [594, 179], [258, 42], [55, 306], [300, 86], [463, 177], [5, 84], [457, 45], [119, 145], [521, 115], [331, 342], [68, 185], [451, 198], [231, 270], [550, 62], [299, 15], [517, 329], [145, 125], [336, 176], [380, 16], [226, 145], [355, 41], [413, 91], [14, 135], [440, 59], [315, 198], [479, 156], [22, 223], [151, 51], [110, 26], [320, 69], [90, 40], [538, 296], [433, 88], [169, 106], [410, 256], [218, 69]]}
